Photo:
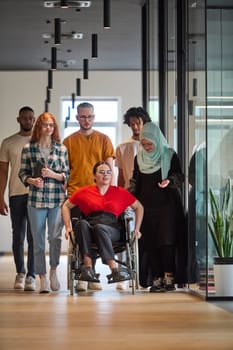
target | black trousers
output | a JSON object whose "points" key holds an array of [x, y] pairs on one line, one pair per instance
{"points": [[101, 234]]}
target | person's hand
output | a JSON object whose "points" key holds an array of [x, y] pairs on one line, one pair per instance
{"points": [[38, 182], [67, 233], [164, 183], [137, 234], [3, 208], [46, 172]]}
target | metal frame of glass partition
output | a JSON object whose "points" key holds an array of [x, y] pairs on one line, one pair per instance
{"points": [[196, 104]]}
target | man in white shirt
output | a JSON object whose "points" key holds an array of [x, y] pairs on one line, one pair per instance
{"points": [[135, 118], [10, 159]]}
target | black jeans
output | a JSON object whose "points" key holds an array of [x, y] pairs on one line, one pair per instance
{"points": [[99, 233], [20, 230]]}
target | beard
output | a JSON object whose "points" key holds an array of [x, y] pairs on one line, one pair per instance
{"points": [[86, 128], [26, 128]]}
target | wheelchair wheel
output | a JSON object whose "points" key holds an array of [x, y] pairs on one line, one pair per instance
{"points": [[134, 264], [70, 263]]}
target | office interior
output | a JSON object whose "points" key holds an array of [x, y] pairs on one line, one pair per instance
{"points": [[187, 67]]}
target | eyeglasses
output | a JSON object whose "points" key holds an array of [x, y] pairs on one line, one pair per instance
{"points": [[103, 172], [45, 125], [86, 117]]}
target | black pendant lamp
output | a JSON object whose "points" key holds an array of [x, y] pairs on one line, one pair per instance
{"points": [[73, 99], [50, 79], [94, 45], [78, 87], [57, 31], [85, 68], [107, 14], [48, 95], [53, 58]]}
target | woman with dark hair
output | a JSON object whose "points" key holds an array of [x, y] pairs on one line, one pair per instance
{"points": [[101, 205], [44, 168]]}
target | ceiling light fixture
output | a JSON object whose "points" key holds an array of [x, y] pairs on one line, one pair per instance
{"points": [[50, 79], [64, 4], [78, 87], [53, 58], [73, 100], [46, 106], [85, 68], [94, 45], [72, 35], [48, 99], [67, 3], [57, 31], [107, 14], [65, 63]]}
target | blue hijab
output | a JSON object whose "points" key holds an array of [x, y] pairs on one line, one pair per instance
{"points": [[160, 157]]}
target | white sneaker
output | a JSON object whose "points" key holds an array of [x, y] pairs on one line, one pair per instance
{"points": [[44, 284], [121, 286], [30, 284], [94, 286], [54, 283], [81, 286], [19, 281]]}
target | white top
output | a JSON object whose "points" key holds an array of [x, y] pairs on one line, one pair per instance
{"points": [[125, 154], [10, 152]]}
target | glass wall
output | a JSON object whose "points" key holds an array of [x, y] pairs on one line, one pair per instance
{"points": [[199, 58], [219, 114], [196, 148]]}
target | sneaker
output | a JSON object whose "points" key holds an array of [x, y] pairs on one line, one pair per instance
{"points": [[157, 286], [44, 284], [19, 281], [94, 286], [118, 276], [81, 286], [169, 283], [89, 275], [121, 286], [30, 284], [54, 283]]}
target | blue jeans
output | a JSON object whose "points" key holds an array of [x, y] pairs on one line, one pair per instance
{"points": [[40, 219], [20, 230]]}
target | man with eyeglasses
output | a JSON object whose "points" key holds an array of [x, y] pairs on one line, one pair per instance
{"points": [[85, 148], [10, 159]]}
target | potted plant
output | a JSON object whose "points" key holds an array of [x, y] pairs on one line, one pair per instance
{"points": [[220, 228]]}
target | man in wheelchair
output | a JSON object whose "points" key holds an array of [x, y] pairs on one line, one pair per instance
{"points": [[101, 205]]}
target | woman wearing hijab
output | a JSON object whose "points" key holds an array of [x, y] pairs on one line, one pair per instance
{"points": [[156, 181]]}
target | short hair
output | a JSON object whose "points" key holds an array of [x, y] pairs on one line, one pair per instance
{"points": [[84, 105], [137, 112], [101, 162], [26, 108]]}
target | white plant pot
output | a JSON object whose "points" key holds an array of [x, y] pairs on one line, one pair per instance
{"points": [[223, 276]]}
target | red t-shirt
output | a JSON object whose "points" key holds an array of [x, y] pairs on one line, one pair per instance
{"points": [[114, 201]]}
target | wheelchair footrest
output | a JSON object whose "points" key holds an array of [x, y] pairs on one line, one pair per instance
{"points": [[119, 276], [87, 274]]}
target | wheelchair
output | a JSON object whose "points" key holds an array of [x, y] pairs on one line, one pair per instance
{"points": [[128, 245]]}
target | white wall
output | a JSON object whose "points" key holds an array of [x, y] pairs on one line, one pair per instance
{"points": [[18, 89]]}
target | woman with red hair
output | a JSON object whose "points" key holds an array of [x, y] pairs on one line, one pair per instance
{"points": [[44, 168]]}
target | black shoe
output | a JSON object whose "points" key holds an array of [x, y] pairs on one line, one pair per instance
{"points": [[169, 283], [88, 274], [118, 276], [158, 286]]}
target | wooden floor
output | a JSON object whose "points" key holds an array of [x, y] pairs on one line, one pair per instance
{"points": [[107, 319]]}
